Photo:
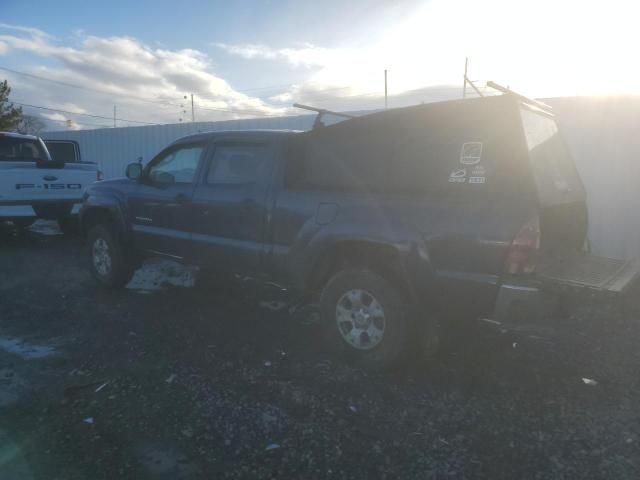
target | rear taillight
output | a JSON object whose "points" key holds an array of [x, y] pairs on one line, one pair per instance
{"points": [[99, 176], [524, 248]]}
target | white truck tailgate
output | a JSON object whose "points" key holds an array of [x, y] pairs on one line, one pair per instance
{"points": [[25, 181]]}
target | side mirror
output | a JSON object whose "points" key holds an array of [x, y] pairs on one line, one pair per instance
{"points": [[134, 171]]}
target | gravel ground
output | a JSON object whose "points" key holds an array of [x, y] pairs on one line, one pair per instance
{"points": [[167, 380]]}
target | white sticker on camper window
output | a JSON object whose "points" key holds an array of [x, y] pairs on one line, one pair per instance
{"points": [[471, 153], [459, 175]]}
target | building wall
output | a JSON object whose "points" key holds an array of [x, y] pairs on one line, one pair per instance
{"points": [[603, 134], [114, 148]]}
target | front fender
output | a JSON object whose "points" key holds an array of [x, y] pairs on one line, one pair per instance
{"points": [[106, 203]]}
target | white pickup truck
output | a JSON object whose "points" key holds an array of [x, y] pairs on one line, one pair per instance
{"points": [[33, 185]]}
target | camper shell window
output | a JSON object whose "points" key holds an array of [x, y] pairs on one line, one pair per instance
{"points": [[554, 172]]}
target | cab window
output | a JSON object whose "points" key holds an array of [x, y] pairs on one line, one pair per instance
{"points": [[238, 164], [179, 164]]}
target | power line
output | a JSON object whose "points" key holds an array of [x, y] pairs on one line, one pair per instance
{"points": [[377, 92], [200, 94], [291, 85], [88, 89], [82, 114], [317, 95], [246, 112], [118, 95]]}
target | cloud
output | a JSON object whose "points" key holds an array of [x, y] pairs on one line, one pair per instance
{"points": [[306, 55], [34, 32], [147, 84], [282, 97], [4, 48]]}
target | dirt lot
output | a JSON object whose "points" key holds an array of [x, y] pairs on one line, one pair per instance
{"points": [[165, 382]]}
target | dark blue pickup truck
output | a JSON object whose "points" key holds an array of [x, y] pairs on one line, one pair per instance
{"points": [[394, 223]]}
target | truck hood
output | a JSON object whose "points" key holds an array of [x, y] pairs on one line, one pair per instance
{"points": [[116, 185]]}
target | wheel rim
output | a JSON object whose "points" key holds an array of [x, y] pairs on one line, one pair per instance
{"points": [[101, 256], [360, 319]]}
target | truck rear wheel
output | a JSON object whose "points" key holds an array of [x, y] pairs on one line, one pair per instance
{"points": [[107, 259], [365, 318]]}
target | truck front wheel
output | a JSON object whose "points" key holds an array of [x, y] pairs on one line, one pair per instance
{"points": [[365, 318], [69, 225], [23, 223], [107, 259]]}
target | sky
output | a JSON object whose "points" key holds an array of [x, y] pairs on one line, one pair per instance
{"points": [[244, 59]]}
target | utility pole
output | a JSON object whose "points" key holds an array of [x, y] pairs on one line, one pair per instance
{"points": [[464, 84], [385, 88], [114, 116], [193, 115]]}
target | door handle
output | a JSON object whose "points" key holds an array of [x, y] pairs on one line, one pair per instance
{"points": [[181, 198]]}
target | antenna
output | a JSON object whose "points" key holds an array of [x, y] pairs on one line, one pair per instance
{"points": [[317, 123]]}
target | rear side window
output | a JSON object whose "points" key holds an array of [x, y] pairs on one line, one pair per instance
{"points": [[238, 164], [13, 149], [62, 151], [556, 177]]}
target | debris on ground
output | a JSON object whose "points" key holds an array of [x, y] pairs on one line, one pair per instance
{"points": [[160, 274], [101, 387]]}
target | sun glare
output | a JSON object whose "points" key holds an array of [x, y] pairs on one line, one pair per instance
{"points": [[546, 48]]}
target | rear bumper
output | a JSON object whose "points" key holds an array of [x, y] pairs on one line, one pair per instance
{"points": [[14, 211], [525, 308], [44, 209]]}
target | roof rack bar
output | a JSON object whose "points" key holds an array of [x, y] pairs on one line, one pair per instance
{"points": [[321, 111], [508, 91]]}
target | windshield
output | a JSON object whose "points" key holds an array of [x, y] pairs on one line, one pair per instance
{"points": [[14, 149]]}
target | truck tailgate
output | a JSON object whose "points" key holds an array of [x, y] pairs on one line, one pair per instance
{"points": [[25, 181], [585, 271]]}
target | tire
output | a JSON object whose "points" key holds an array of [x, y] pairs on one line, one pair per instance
{"points": [[23, 223], [69, 225], [365, 318], [107, 258]]}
